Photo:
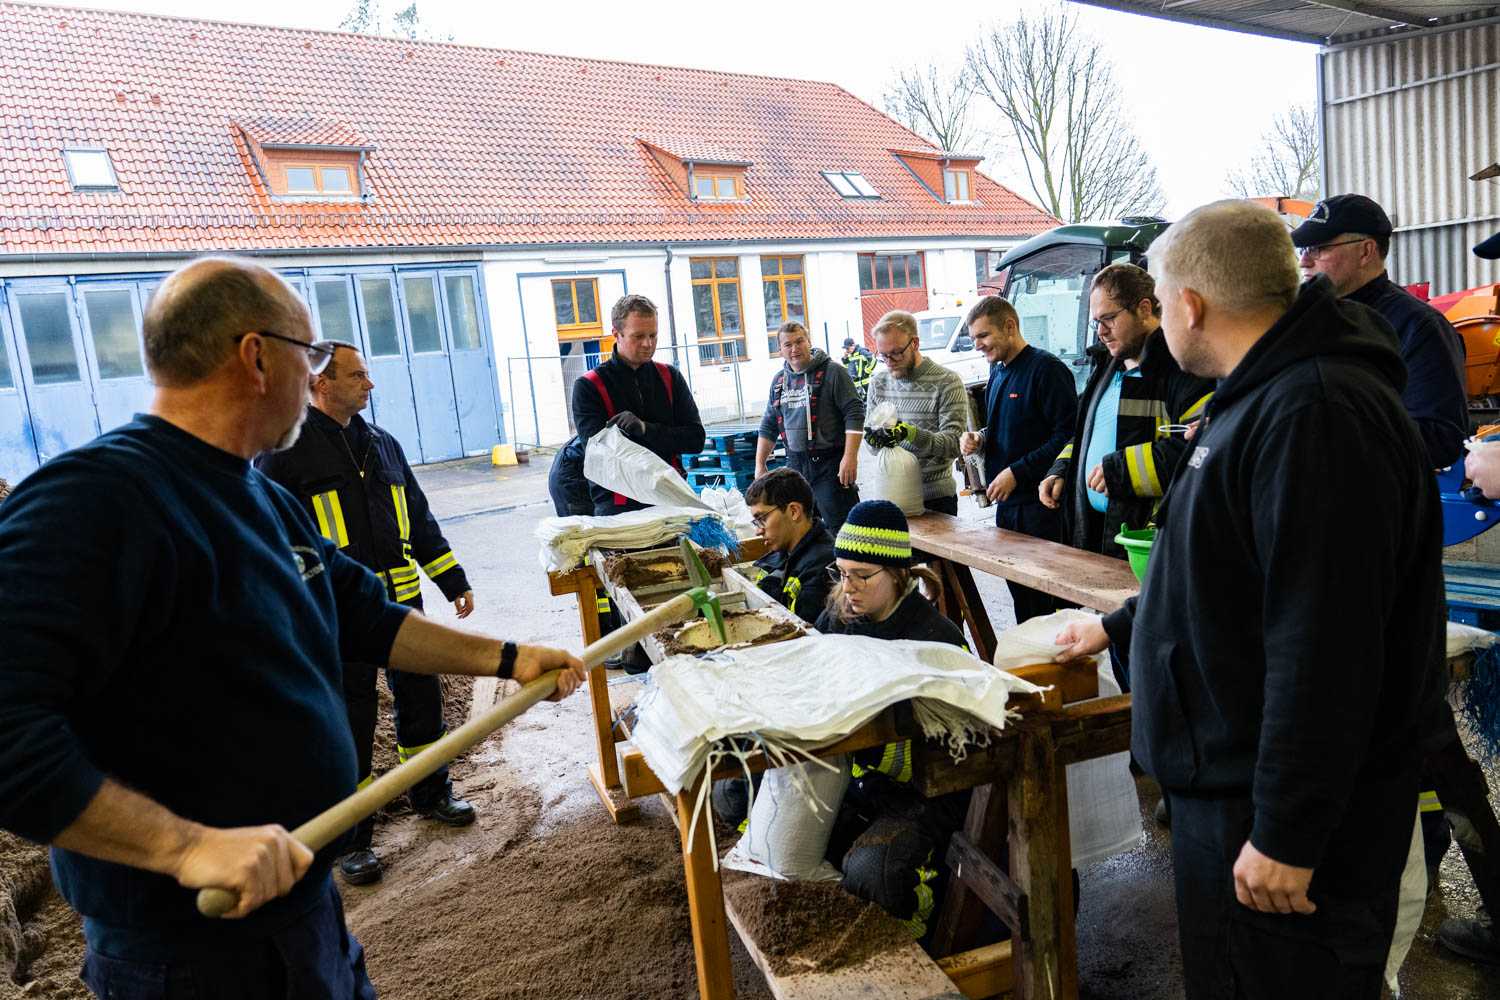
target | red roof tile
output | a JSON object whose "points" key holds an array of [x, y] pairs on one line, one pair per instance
{"points": [[470, 145]]}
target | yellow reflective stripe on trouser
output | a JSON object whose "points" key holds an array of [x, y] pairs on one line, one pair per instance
{"points": [[792, 589], [1141, 464], [405, 754], [403, 517], [441, 564], [1428, 802], [917, 925], [330, 515], [1195, 411]]}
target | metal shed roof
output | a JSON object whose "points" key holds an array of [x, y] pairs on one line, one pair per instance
{"points": [[1332, 22]]}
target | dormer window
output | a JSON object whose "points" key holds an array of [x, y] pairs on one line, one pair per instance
{"points": [[306, 159], [716, 187], [956, 185], [90, 170], [316, 179], [850, 184]]}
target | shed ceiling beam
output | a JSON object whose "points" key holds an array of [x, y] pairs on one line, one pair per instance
{"points": [[1207, 21]]}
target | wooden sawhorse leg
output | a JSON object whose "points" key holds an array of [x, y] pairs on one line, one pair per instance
{"points": [[963, 605], [705, 900]]}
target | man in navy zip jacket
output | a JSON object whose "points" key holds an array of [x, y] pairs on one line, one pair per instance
{"points": [[1285, 647], [1031, 405], [170, 720]]}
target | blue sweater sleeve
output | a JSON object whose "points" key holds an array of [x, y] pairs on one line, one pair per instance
{"points": [[1435, 394], [368, 618], [1054, 392]]}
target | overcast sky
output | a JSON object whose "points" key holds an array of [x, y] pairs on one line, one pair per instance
{"points": [[1199, 97]]}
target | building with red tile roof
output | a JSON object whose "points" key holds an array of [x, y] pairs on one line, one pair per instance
{"points": [[519, 187]]}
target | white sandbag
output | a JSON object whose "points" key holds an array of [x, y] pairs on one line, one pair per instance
{"points": [[1104, 816], [892, 474], [1409, 906], [1466, 638], [729, 504], [791, 821], [566, 540], [617, 463]]}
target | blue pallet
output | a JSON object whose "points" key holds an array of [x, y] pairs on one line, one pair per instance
{"points": [[734, 461], [734, 442], [700, 479], [1473, 593]]}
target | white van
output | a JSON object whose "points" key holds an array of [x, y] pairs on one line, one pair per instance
{"points": [[944, 338]]}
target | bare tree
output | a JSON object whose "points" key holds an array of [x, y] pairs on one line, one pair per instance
{"points": [[366, 18], [1054, 87], [936, 106], [1287, 164]]}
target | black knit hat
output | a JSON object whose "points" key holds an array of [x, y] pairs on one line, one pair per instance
{"points": [[875, 532]]}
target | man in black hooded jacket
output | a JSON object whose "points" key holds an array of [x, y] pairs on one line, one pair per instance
{"points": [[1284, 644]]}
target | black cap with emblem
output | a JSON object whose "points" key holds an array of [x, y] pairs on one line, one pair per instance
{"points": [[1343, 213]]}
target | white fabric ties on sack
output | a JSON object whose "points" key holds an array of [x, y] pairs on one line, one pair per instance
{"points": [[892, 474], [613, 461], [1103, 815], [566, 540]]}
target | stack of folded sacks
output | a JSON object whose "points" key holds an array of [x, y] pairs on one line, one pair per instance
{"points": [[566, 540]]}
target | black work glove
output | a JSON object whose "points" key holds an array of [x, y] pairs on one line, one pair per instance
{"points": [[630, 425], [880, 437]]}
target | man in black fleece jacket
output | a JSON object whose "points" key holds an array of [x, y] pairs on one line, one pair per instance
{"points": [[1285, 642]]}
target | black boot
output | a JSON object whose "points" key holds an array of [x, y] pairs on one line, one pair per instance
{"points": [[360, 867], [1472, 938], [448, 811]]}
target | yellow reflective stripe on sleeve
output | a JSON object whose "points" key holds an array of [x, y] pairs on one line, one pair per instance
{"points": [[403, 518], [1066, 453], [1153, 408], [1428, 802], [330, 515], [792, 589], [1195, 411], [895, 760], [441, 564], [1141, 464], [856, 770], [407, 753]]}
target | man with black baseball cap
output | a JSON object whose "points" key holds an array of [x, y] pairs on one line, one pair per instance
{"points": [[1347, 238]]}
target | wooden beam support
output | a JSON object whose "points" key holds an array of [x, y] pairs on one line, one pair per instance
{"points": [[1034, 861], [984, 831], [994, 887], [981, 973]]}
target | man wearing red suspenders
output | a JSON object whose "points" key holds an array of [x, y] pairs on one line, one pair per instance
{"points": [[649, 401]]}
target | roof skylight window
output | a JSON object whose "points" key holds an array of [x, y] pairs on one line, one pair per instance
{"points": [[850, 184], [90, 170]]}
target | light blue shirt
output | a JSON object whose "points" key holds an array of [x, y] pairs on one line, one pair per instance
{"points": [[1105, 433]]}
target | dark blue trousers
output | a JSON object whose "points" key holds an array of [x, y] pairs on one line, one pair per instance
{"points": [[314, 959], [1030, 518], [833, 499]]}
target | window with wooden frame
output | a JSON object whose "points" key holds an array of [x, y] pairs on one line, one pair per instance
{"points": [[784, 293], [956, 185], [319, 178], [710, 186], [716, 309], [576, 304], [889, 272]]}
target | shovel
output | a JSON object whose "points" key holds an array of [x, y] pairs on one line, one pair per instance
{"points": [[324, 828], [698, 576]]}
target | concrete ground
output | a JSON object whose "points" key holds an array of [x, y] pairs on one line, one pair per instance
{"points": [[1126, 922]]}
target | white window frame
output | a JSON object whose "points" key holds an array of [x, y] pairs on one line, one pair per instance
{"points": [[83, 176]]}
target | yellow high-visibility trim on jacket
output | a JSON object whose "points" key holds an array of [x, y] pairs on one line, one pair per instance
{"points": [[330, 516], [403, 515], [441, 564]]}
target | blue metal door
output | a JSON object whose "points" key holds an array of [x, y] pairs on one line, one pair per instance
{"points": [[17, 449], [391, 403], [111, 316], [469, 358], [431, 374], [50, 361]]}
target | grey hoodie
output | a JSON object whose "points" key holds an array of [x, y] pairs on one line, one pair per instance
{"points": [[814, 408]]}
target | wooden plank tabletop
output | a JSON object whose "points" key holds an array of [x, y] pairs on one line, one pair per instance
{"points": [[1086, 578]]}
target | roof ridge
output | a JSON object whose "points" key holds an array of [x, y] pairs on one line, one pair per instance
{"points": [[40, 5]]}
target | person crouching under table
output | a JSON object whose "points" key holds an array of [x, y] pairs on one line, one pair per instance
{"points": [[799, 549]]}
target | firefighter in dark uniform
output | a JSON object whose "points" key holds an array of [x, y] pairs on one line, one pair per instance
{"points": [[354, 479], [799, 548], [860, 364]]}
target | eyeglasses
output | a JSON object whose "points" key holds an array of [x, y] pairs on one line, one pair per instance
{"points": [[318, 355], [836, 575], [895, 355], [1314, 252], [759, 520], [1107, 320]]}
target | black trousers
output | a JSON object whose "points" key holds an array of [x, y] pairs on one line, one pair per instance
{"points": [[833, 499], [419, 721], [568, 489], [942, 505], [1030, 518], [1464, 794], [1231, 952]]}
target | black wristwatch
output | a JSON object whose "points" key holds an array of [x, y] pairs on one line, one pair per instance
{"points": [[508, 653]]}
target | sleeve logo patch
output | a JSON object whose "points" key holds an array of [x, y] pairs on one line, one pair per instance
{"points": [[1197, 458]]}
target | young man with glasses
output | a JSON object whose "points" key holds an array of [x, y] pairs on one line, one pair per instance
{"points": [[1118, 465], [799, 549], [353, 478], [1347, 239], [930, 402], [814, 406], [1030, 407]]}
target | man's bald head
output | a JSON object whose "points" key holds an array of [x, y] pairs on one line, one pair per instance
{"points": [[195, 314]]}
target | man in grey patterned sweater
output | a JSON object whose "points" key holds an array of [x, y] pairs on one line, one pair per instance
{"points": [[930, 403]]}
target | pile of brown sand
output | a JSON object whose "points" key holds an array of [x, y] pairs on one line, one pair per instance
{"points": [[631, 571], [41, 939], [810, 926], [748, 628]]}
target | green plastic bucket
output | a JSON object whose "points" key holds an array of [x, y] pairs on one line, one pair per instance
{"points": [[1137, 545]]}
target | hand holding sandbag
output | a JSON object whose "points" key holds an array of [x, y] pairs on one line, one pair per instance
{"points": [[629, 424]]}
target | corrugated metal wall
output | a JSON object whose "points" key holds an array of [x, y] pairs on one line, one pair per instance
{"points": [[1406, 122]]}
